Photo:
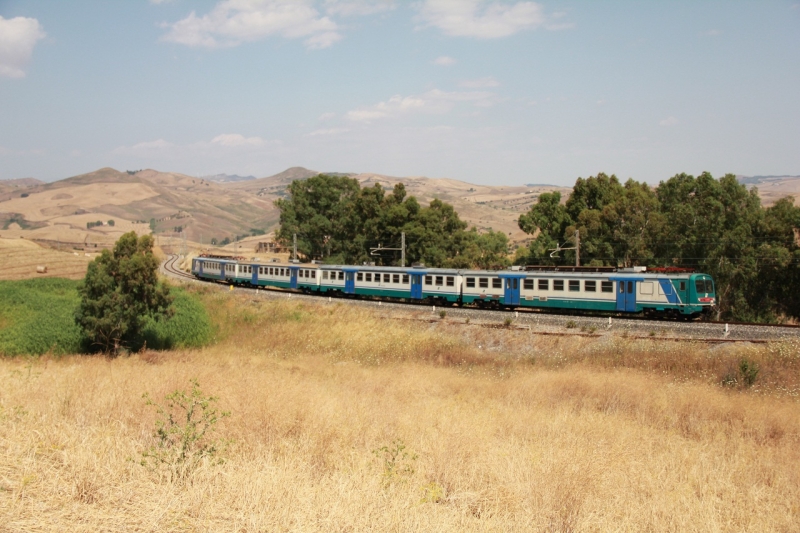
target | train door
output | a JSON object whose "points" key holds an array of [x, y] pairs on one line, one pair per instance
{"points": [[349, 282], [626, 296], [199, 267], [416, 286], [293, 277], [254, 279], [511, 296]]}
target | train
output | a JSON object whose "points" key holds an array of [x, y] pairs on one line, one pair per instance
{"points": [[656, 293]]}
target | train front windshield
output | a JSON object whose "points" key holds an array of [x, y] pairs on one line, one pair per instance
{"points": [[704, 286]]}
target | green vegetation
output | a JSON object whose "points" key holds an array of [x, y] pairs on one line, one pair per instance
{"points": [[718, 227], [120, 294], [90, 225], [16, 218], [188, 327], [337, 221], [184, 431], [38, 317]]}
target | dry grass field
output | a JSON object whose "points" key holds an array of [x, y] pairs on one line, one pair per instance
{"points": [[20, 257], [343, 421]]}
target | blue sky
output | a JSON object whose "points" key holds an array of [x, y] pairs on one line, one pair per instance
{"points": [[488, 92]]}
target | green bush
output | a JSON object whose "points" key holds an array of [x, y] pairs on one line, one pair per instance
{"points": [[189, 327], [37, 316]]}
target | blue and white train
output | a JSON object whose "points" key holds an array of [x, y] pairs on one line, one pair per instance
{"points": [[660, 293]]}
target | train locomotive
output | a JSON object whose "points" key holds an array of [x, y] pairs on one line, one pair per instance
{"points": [[667, 293]]}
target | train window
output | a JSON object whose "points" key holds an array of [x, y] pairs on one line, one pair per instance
{"points": [[471, 283], [341, 275], [683, 285], [368, 276], [558, 284], [387, 278], [325, 275], [313, 274], [439, 281], [483, 283], [590, 286], [282, 272], [527, 284], [574, 285], [360, 276], [396, 278], [544, 284], [497, 283], [450, 281], [428, 280], [621, 286], [405, 278], [607, 286], [704, 286]]}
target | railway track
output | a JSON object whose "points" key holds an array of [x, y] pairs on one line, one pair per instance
{"points": [[538, 321]]}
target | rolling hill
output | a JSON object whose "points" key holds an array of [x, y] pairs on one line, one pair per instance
{"points": [[57, 213], [773, 188]]}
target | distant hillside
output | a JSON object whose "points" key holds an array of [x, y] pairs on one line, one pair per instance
{"points": [[773, 188], [227, 178], [59, 211], [15, 187]]}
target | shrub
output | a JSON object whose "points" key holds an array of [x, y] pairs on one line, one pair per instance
{"points": [[442, 313], [508, 321], [189, 327], [396, 461], [184, 431], [749, 371], [571, 324]]}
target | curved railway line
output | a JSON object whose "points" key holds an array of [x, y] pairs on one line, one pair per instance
{"points": [[541, 322]]}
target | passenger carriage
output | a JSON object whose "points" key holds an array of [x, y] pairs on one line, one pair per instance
{"points": [[631, 290], [659, 292]]}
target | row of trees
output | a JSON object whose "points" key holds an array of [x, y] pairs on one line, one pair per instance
{"points": [[715, 226], [337, 221]]}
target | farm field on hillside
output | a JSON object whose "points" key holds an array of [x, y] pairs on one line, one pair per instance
{"points": [[20, 257], [341, 421]]}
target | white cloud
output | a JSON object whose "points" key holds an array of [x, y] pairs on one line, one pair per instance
{"points": [[18, 36], [480, 83], [434, 101], [226, 142], [331, 131], [351, 8], [326, 116], [669, 121], [444, 61], [478, 18], [233, 22], [234, 139]]}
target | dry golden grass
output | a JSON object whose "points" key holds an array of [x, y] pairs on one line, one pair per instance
{"points": [[495, 443], [20, 257]]}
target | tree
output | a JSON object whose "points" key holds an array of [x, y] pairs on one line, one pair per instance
{"points": [[338, 221], [120, 293], [548, 220]]}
